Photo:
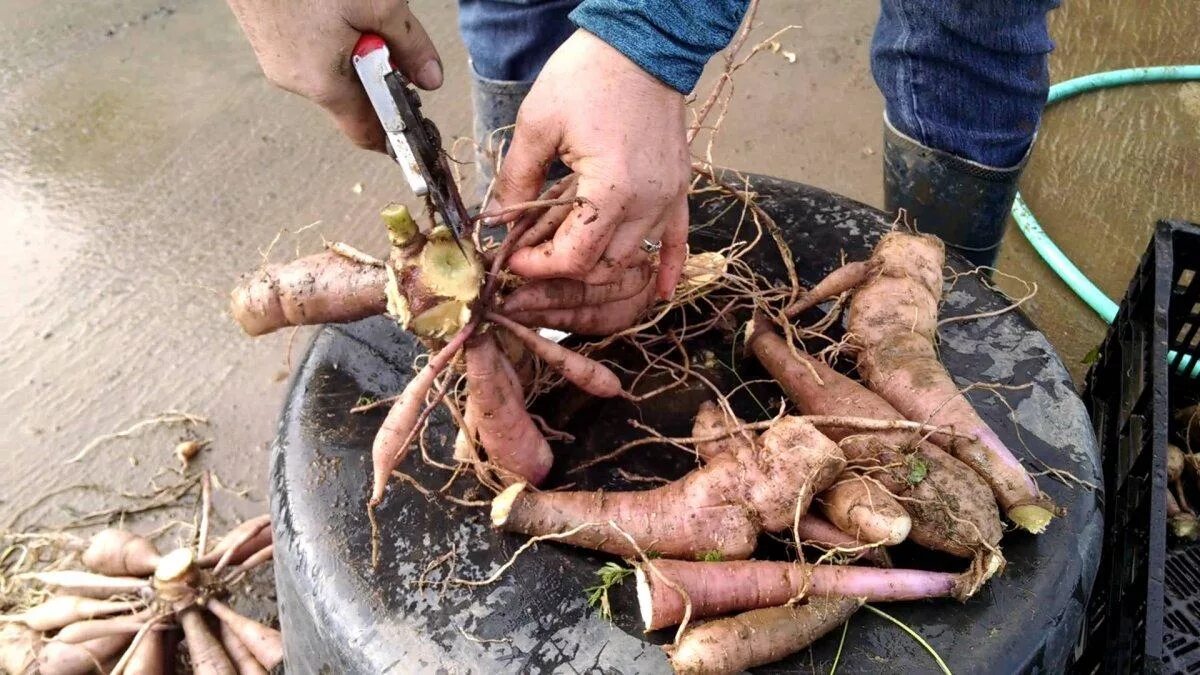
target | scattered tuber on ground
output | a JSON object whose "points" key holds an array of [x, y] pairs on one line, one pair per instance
{"points": [[208, 656], [239, 654], [61, 610], [118, 552], [61, 658], [83, 634], [151, 656], [240, 543], [19, 647], [720, 507], [757, 637], [83, 631], [725, 587], [266, 644], [86, 584], [952, 508]]}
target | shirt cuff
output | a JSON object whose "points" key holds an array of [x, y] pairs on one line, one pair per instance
{"points": [[670, 39]]}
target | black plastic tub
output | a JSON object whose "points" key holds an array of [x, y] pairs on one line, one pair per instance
{"points": [[341, 615]]}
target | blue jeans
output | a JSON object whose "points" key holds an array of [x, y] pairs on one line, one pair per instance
{"points": [[967, 77], [510, 40]]}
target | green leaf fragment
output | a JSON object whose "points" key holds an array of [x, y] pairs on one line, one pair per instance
{"points": [[610, 575], [917, 469]]}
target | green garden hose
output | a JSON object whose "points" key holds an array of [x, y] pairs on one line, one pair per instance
{"points": [[1042, 243]]}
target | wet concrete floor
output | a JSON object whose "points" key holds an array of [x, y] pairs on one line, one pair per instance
{"points": [[145, 163]]}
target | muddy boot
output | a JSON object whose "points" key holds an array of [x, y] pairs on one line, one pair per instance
{"points": [[963, 202], [496, 103]]}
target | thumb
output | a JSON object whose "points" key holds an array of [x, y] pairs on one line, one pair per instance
{"points": [[523, 169], [410, 46]]}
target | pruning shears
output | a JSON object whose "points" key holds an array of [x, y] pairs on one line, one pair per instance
{"points": [[412, 139]]}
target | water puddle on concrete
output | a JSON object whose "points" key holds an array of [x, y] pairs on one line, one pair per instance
{"points": [[1109, 164]]}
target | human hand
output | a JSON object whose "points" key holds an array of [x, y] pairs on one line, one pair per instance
{"points": [[622, 132], [304, 47]]}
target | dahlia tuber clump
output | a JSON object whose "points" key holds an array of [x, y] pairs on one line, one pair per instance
{"points": [[434, 285], [119, 613], [893, 324]]}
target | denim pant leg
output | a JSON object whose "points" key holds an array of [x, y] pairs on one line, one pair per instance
{"points": [[508, 41], [967, 77]]}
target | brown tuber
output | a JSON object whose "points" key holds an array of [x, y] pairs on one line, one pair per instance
{"points": [[860, 506], [61, 610], [714, 588], [242, 659], [323, 288], [62, 658], [496, 405], [721, 507], [116, 553], [208, 656], [733, 644], [18, 648], [87, 584], [951, 507], [265, 643], [893, 320]]}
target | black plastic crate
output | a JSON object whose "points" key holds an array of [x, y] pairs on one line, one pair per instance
{"points": [[1144, 611]]}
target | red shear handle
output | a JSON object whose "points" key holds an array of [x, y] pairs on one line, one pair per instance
{"points": [[368, 43]]}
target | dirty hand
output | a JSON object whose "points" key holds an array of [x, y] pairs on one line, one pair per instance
{"points": [[622, 132], [304, 46]]}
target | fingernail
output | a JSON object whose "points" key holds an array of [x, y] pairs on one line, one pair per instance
{"points": [[430, 75]]}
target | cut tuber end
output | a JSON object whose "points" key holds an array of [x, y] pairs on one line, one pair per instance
{"points": [[174, 575], [503, 503], [400, 224], [449, 268], [645, 597], [1031, 517], [175, 566]]}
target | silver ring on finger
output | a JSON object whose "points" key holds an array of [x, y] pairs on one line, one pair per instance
{"points": [[651, 246]]}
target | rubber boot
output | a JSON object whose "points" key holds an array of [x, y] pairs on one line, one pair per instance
{"points": [[963, 202], [496, 103]]}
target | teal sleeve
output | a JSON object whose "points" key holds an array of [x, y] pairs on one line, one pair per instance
{"points": [[670, 39]]}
